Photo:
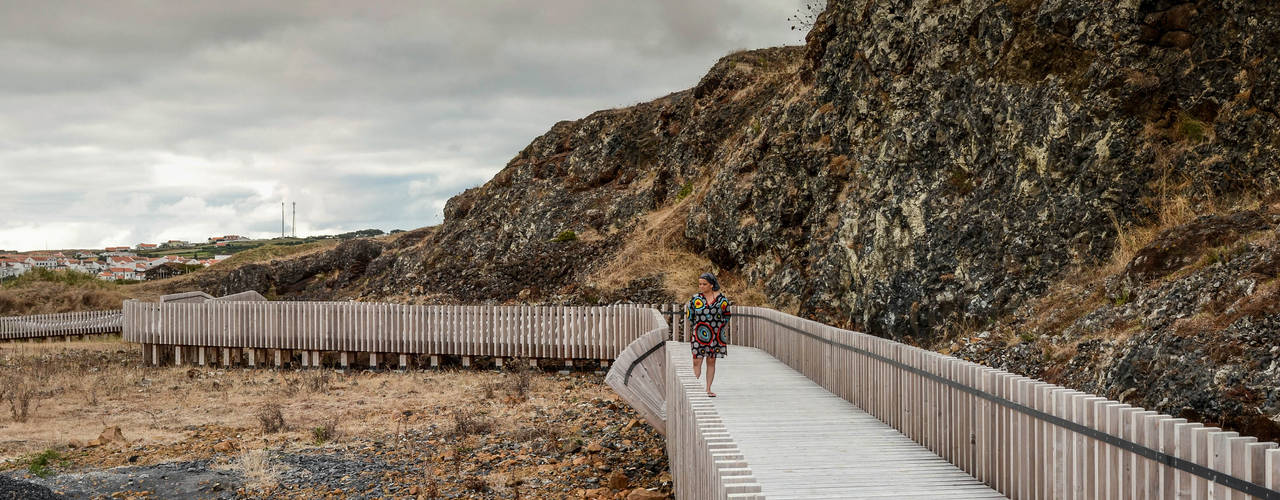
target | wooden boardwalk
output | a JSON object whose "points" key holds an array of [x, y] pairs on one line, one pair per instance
{"points": [[804, 442]]}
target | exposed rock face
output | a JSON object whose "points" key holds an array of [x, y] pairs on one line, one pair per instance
{"points": [[1190, 327], [995, 144], [916, 166], [327, 275]]}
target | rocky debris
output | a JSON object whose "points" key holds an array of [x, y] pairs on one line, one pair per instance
{"points": [[225, 446], [618, 481], [14, 489], [109, 435], [176, 480]]}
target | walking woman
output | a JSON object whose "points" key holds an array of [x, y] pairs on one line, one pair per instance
{"points": [[708, 311]]}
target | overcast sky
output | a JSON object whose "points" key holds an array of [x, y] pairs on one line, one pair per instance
{"points": [[124, 122]]}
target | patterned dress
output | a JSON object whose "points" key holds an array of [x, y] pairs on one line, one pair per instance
{"points": [[710, 325]]}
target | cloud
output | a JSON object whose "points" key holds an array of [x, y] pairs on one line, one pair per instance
{"points": [[148, 120]]}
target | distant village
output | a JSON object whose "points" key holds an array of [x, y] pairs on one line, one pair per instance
{"points": [[114, 263]]}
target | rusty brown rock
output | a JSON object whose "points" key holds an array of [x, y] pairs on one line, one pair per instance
{"points": [[618, 481], [644, 494]]}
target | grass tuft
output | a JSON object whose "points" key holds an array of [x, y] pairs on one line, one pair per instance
{"points": [[39, 464], [565, 236]]}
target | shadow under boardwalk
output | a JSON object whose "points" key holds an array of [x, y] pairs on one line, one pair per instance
{"points": [[802, 441]]}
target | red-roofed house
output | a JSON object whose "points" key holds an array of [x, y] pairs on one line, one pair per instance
{"points": [[147, 246]]}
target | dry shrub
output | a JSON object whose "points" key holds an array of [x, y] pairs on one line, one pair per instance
{"points": [[270, 418], [317, 382], [24, 383], [258, 469], [490, 389], [1174, 211], [544, 433], [467, 421], [519, 379]]}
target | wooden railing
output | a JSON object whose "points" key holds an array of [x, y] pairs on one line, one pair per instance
{"points": [[240, 331], [639, 373], [60, 325], [1023, 437]]}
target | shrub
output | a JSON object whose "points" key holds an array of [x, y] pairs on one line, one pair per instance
{"points": [[317, 381], [23, 384], [490, 389], [1191, 129], [467, 422], [685, 190], [565, 236], [519, 379], [326, 431], [270, 418], [41, 277], [39, 464]]}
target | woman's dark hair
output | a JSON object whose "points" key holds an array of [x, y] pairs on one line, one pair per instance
{"points": [[711, 278]]}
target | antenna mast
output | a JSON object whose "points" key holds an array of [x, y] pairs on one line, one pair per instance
{"points": [[282, 219], [295, 219]]}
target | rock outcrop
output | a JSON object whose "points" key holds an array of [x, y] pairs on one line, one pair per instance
{"points": [[916, 170]]}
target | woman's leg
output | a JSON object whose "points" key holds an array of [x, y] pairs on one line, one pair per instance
{"points": [[711, 373], [697, 366]]}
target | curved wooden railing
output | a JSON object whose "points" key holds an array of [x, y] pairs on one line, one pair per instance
{"points": [[639, 373], [60, 325]]}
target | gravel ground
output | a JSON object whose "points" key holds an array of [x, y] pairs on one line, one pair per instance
{"points": [[14, 489], [177, 480]]}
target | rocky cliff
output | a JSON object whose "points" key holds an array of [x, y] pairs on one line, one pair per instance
{"points": [[919, 170]]}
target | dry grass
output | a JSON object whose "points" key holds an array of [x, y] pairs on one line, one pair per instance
{"points": [[1173, 212], [658, 246], [24, 383], [468, 421], [102, 383], [60, 297], [268, 253], [259, 471]]}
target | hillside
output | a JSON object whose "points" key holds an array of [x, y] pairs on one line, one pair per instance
{"points": [[1000, 179]]}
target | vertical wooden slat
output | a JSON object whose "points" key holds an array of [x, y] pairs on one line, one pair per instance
{"points": [[1273, 469], [1201, 455]]}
